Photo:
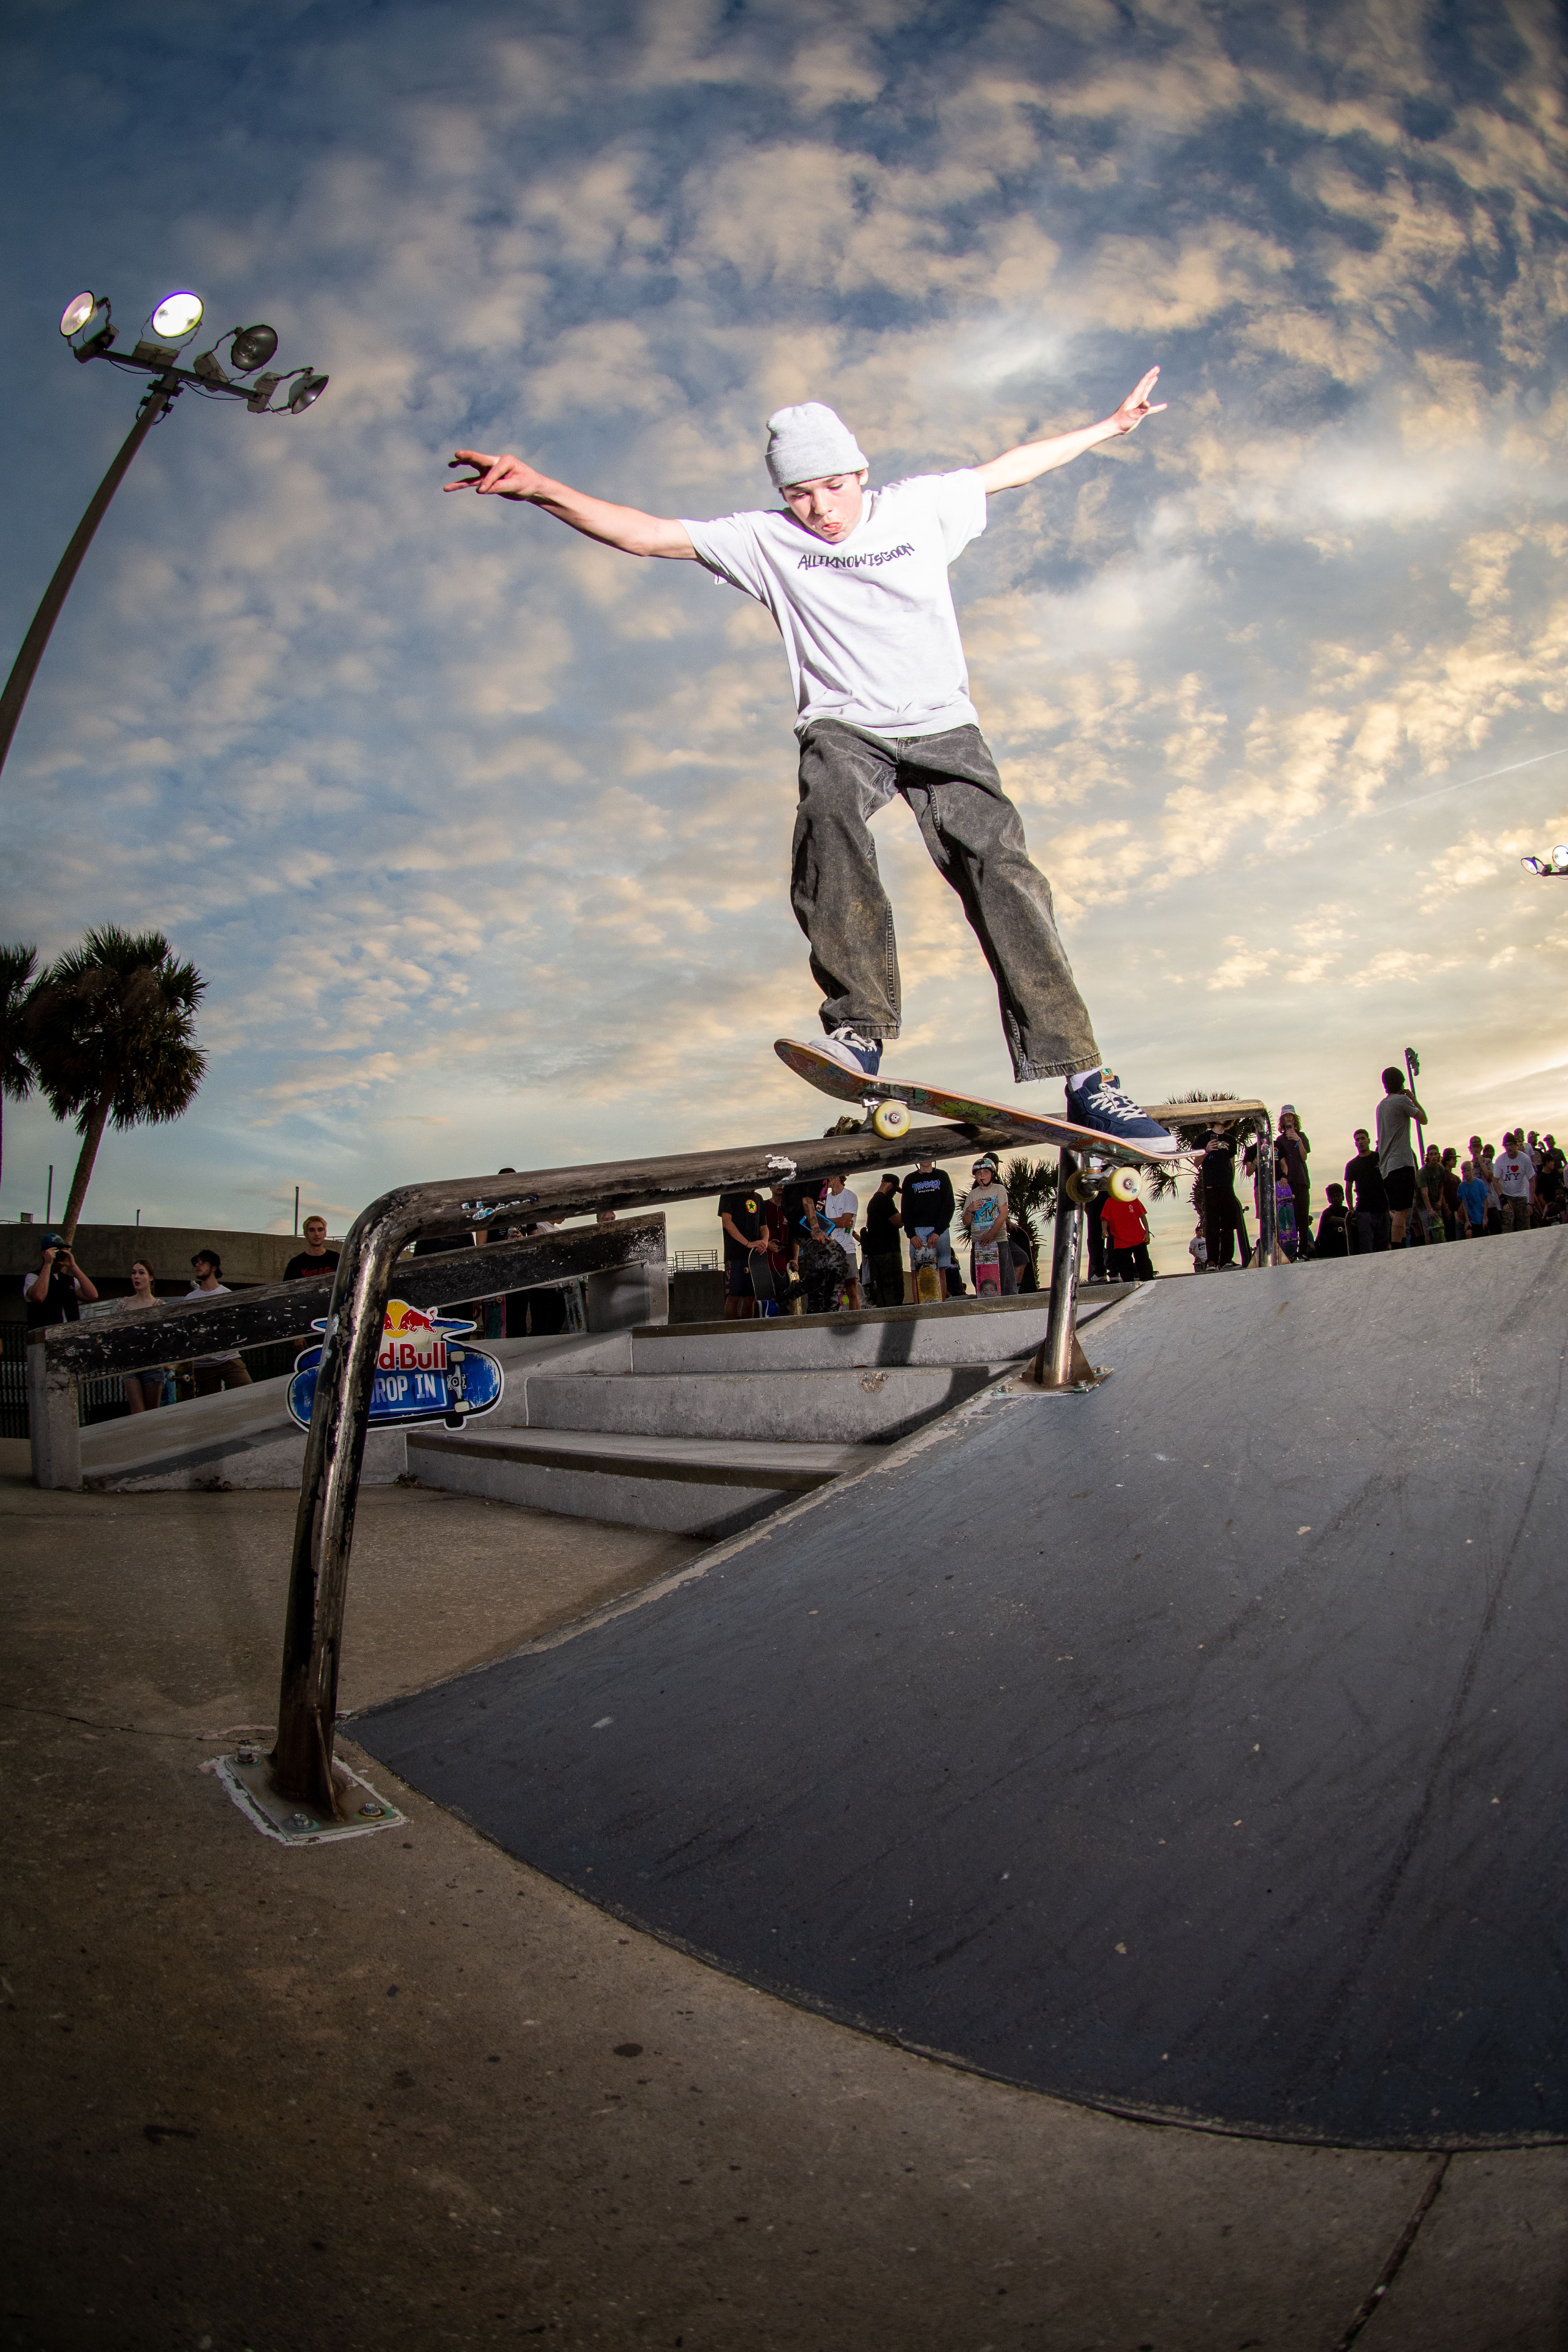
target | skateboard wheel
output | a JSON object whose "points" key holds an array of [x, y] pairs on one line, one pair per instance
{"points": [[1124, 1184], [1080, 1189], [892, 1118]]}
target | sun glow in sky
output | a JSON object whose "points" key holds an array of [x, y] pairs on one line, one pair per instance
{"points": [[479, 833]]}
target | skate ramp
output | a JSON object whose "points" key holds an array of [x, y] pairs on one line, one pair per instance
{"points": [[1194, 1746]]}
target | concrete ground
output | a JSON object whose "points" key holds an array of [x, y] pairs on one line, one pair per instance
{"points": [[404, 2093]]}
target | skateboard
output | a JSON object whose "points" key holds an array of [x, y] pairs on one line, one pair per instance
{"points": [[890, 1102], [762, 1286], [924, 1265]]}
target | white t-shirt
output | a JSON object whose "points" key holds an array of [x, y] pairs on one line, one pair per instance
{"points": [[231, 1355], [1515, 1175], [868, 623], [836, 1205]]}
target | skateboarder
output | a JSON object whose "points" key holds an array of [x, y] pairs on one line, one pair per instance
{"points": [[856, 582]]}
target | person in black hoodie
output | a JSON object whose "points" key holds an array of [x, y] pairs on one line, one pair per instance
{"points": [[929, 1207]]}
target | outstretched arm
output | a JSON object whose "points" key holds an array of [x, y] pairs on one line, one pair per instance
{"points": [[628, 528], [1017, 466]]}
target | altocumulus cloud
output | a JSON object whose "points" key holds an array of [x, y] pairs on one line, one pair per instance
{"points": [[480, 833]]}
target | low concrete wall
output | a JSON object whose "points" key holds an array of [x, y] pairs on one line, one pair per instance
{"points": [[961, 1331], [105, 1251]]}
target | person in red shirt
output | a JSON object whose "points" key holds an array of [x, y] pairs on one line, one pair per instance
{"points": [[1127, 1230]]}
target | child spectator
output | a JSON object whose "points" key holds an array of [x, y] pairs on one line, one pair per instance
{"points": [[1127, 1230], [1473, 1202], [1285, 1217], [1333, 1225], [1198, 1250], [985, 1215]]}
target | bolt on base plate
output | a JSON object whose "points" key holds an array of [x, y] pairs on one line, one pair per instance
{"points": [[246, 1778]]}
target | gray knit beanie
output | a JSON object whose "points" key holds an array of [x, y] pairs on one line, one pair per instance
{"points": [[808, 441]]}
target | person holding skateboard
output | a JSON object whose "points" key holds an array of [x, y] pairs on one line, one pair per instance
{"points": [[856, 582]]}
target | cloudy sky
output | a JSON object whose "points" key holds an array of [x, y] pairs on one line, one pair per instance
{"points": [[479, 833]]}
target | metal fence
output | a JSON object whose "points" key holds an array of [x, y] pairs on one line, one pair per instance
{"points": [[101, 1397]]}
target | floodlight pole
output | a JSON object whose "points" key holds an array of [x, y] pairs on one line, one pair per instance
{"points": [[169, 380], [156, 403]]}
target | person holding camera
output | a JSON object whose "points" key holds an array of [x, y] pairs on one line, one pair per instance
{"points": [[59, 1289]]}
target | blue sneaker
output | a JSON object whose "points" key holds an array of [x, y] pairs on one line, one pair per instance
{"points": [[863, 1054], [1101, 1103]]}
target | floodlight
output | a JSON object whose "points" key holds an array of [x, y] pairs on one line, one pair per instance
{"points": [[252, 347], [76, 313], [311, 388], [176, 319], [1560, 858]]}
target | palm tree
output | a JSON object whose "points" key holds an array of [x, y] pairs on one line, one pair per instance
{"points": [[1032, 1192], [110, 1035], [17, 966]]}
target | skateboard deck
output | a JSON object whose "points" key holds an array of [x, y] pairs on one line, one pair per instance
{"points": [[762, 1283], [819, 1069], [924, 1265]]}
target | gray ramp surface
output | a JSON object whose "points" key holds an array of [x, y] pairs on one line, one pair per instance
{"points": [[1194, 1746]]}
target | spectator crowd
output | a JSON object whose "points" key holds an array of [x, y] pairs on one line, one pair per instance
{"points": [[1398, 1191], [818, 1253]]}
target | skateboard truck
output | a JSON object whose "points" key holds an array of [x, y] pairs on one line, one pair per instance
{"points": [[1060, 1362]]}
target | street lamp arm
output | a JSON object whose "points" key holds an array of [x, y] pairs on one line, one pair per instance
{"points": [[24, 668]]}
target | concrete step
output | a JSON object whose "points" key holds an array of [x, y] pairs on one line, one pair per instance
{"points": [[688, 1485], [869, 1405], [960, 1331]]}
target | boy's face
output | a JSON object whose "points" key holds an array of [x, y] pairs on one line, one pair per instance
{"points": [[1363, 1140], [315, 1235], [829, 509]]}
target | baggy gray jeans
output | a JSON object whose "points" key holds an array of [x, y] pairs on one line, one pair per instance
{"points": [[976, 842]]}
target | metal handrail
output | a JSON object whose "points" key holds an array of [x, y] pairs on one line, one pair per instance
{"points": [[302, 1761]]}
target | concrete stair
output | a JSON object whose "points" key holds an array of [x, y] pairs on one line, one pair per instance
{"points": [[698, 1428], [704, 1428]]}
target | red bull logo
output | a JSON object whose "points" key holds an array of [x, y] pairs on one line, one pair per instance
{"points": [[422, 1373], [412, 1341]]}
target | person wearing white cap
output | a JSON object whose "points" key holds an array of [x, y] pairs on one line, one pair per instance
{"points": [[857, 583]]}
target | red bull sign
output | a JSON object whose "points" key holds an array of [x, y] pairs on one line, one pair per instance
{"points": [[421, 1372]]}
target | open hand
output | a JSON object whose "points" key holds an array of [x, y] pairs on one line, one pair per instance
{"points": [[494, 478], [1138, 405]]}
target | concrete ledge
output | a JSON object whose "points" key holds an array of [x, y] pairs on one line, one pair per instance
{"points": [[960, 1331]]}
